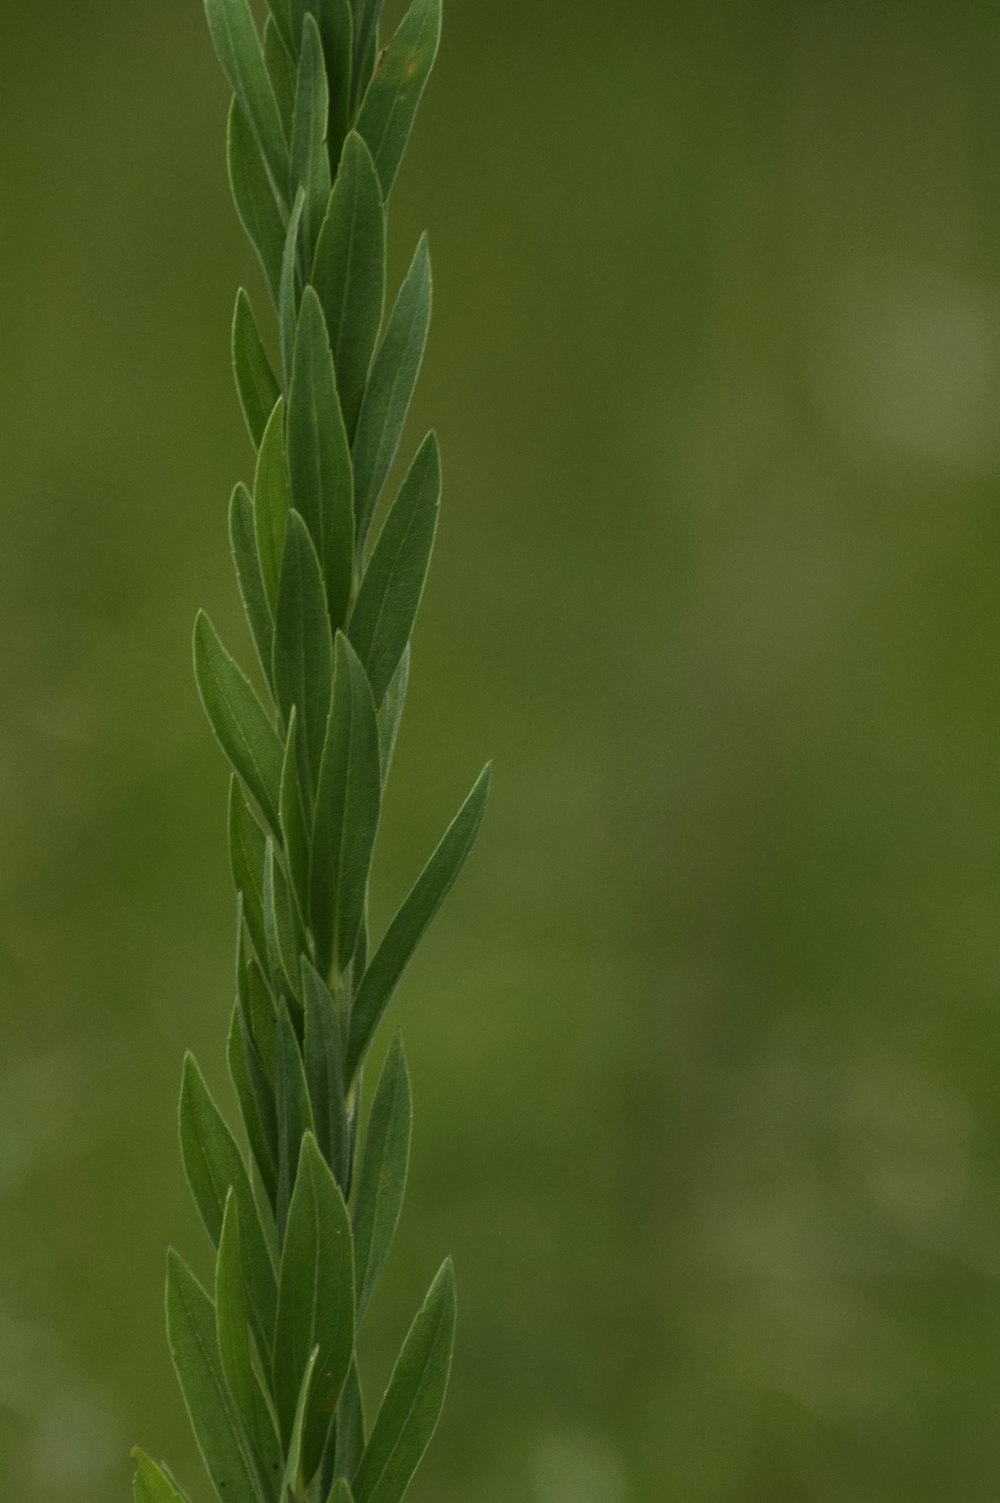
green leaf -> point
(303, 647)
(238, 718)
(309, 164)
(340, 1492)
(369, 13)
(291, 1483)
(387, 602)
(315, 1301)
(239, 50)
(259, 212)
(349, 1441)
(382, 1180)
(270, 500)
(403, 934)
(412, 1404)
(247, 844)
(324, 1061)
(231, 1315)
(295, 1117)
(392, 97)
(256, 382)
(293, 824)
(214, 1165)
(212, 1410)
(390, 387)
(258, 1008)
(243, 543)
(345, 823)
(391, 713)
(281, 71)
(282, 934)
(319, 460)
(349, 272)
(336, 27)
(281, 16)
(249, 1082)
(150, 1484)
(288, 294)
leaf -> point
(256, 206)
(238, 719)
(293, 824)
(324, 1062)
(258, 1119)
(348, 802)
(247, 843)
(150, 1484)
(231, 1316)
(382, 1179)
(391, 713)
(282, 936)
(401, 938)
(391, 99)
(340, 1492)
(369, 13)
(387, 602)
(281, 71)
(256, 382)
(336, 28)
(350, 1436)
(309, 165)
(349, 273)
(390, 387)
(270, 500)
(288, 292)
(315, 1301)
(412, 1404)
(243, 545)
(214, 1165)
(294, 1111)
(303, 648)
(281, 16)
(294, 1464)
(212, 1410)
(239, 50)
(319, 461)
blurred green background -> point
(706, 1045)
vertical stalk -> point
(302, 1218)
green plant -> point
(302, 1221)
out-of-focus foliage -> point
(707, 1061)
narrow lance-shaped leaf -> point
(382, 1179)
(281, 71)
(309, 163)
(303, 648)
(319, 461)
(294, 1477)
(390, 387)
(295, 1117)
(243, 543)
(270, 500)
(411, 1407)
(391, 713)
(256, 382)
(214, 1164)
(391, 99)
(238, 46)
(403, 934)
(336, 28)
(386, 607)
(247, 845)
(293, 821)
(291, 282)
(282, 933)
(349, 1441)
(340, 1492)
(347, 811)
(249, 1081)
(315, 1301)
(365, 40)
(231, 1317)
(150, 1483)
(349, 273)
(324, 1062)
(212, 1410)
(259, 213)
(238, 719)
